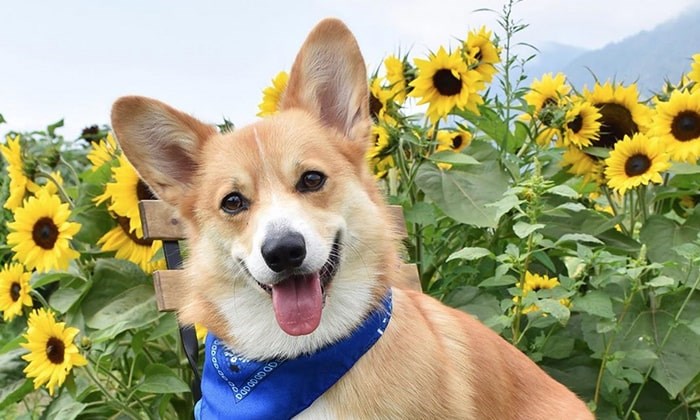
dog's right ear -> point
(161, 142)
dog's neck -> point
(253, 331)
(235, 387)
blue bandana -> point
(237, 388)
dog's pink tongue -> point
(298, 303)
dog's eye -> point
(311, 181)
(234, 203)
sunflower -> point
(582, 164)
(124, 194)
(14, 290)
(52, 353)
(452, 140)
(273, 94)
(636, 160)
(444, 82)
(19, 182)
(41, 233)
(535, 282)
(379, 99)
(549, 91)
(378, 156)
(129, 246)
(582, 127)
(621, 113)
(677, 124)
(102, 151)
(396, 76)
(482, 54)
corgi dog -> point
(290, 253)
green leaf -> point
(505, 204)
(564, 191)
(133, 308)
(111, 277)
(167, 324)
(663, 235)
(578, 237)
(14, 392)
(63, 299)
(161, 379)
(679, 360)
(464, 193)
(499, 280)
(558, 347)
(422, 213)
(12, 344)
(554, 308)
(448, 156)
(570, 206)
(51, 129)
(595, 303)
(662, 281)
(682, 168)
(39, 280)
(523, 229)
(64, 407)
(470, 253)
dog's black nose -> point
(284, 252)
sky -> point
(71, 59)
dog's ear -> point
(329, 80)
(161, 142)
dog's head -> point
(288, 236)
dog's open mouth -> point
(298, 299)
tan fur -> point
(433, 361)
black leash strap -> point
(188, 336)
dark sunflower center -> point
(686, 126)
(45, 233)
(615, 123)
(15, 288)
(457, 141)
(576, 124)
(55, 350)
(637, 164)
(479, 56)
(124, 223)
(446, 83)
(143, 192)
(375, 106)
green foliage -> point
(135, 367)
(621, 327)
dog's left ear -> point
(329, 80)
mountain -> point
(648, 58)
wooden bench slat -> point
(160, 221)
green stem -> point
(641, 198)
(127, 410)
(517, 334)
(40, 298)
(61, 191)
(604, 358)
